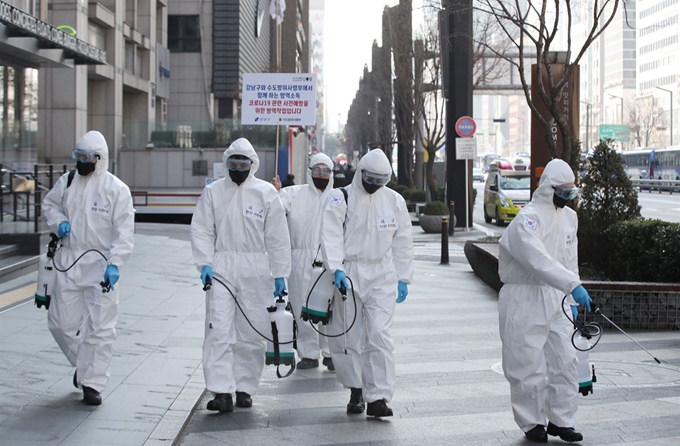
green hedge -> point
(418, 196)
(644, 251)
(435, 208)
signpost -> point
(617, 132)
(466, 149)
(278, 98)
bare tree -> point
(643, 118)
(430, 105)
(487, 67)
(530, 29)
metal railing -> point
(657, 185)
(25, 189)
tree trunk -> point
(431, 185)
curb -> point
(175, 419)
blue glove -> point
(111, 275)
(402, 289)
(279, 286)
(574, 311)
(341, 279)
(64, 229)
(582, 297)
(206, 273)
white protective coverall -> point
(241, 232)
(304, 205)
(376, 246)
(100, 211)
(538, 264)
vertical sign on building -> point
(569, 105)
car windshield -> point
(515, 183)
(476, 170)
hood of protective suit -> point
(374, 161)
(320, 158)
(95, 141)
(242, 147)
(556, 172)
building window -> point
(129, 57)
(184, 34)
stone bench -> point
(630, 305)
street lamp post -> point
(671, 93)
(589, 109)
(619, 97)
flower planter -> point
(432, 224)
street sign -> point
(466, 127)
(278, 99)
(466, 148)
(617, 132)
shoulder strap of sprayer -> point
(277, 353)
(69, 180)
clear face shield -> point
(375, 179)
(84, 156)
(239, 165)
(566, 192)
(321, 171)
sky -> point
(350, 28)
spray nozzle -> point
(208, 284)
(106, 286)
(52, 245)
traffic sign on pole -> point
(466, 127)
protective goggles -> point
(376, 179)
(84, 156)
(567, 192)
(321, 171)
(240, 165)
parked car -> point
(507, 191)
(477, 174)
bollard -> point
(445, 241)
(452, 211)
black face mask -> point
(84, 169)
(559, 202)
(370, 188)
(320, 183)
(238, 177)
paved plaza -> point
(450, 388)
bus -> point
(484, 160)
(653, 163)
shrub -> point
(418, 195)
(435, 208)
(392, 184)
(608, 198)
(406, 193)
(441, 194)
(643, 251)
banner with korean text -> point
(278, 99)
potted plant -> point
(431, 216)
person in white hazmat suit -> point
(239, 233)
(368, 239)
(304, 205)
(92, 210)
(538, 264)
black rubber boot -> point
(243, 400)
(565, 433)
(91, 396)
(356, 402)
(75, 379)
(221, 403)
(378, 409)
(537, 434)
(328, 362)
(306, 363)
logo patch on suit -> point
(337, 200)
(531, 224)
(101, 207)
(387, 223)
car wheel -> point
(499, 222)
(487, 219)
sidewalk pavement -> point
(450, 388)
